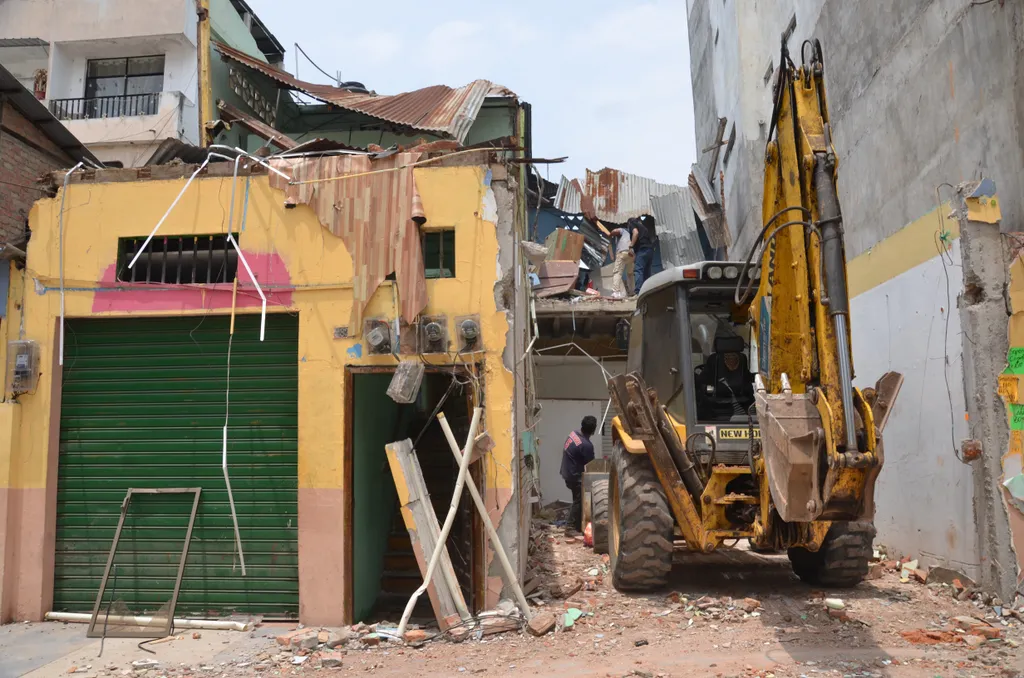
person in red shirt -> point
(577, 452)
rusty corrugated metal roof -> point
(439, 109)
(619, 196)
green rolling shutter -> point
(142, 405)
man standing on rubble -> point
(642, 246)
(623, 263)
(577, 452)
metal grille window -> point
(178, 259)
(439, 254)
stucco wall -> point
(901, 325)
(307, 271)
(921, 92)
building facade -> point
(124, 76)
(140, 400)
(922, 98)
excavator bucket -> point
(794, 443)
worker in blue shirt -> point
(577, 452)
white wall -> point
(557, 418)
(924, 496)
(569, 388)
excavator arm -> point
(821, 439)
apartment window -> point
(439, 253)
(124, 77)
(183, 259)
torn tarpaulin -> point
(374, 212)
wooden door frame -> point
(478, 562)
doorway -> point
(384, 570)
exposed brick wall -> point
(20, 166)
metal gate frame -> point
(92, 632)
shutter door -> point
(142, 406)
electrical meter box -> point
(22, 366)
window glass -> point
(720, 350)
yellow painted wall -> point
(319, 270)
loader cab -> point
(692, 344)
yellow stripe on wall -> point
(911, 246)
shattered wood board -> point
(556, 277)
(564, 245)
(424, 530)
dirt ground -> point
(734, 613)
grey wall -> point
(921, 92)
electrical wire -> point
(332, 77)
(943, 253)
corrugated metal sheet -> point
(437, 109)
(619, 197)
(568, 196)
(373, 214)
(677, 229)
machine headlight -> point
(714, 272)
(756, 274)
(731, 272)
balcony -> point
(130, 105)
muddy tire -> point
(842, 561)
(599, 515)
(640, 524)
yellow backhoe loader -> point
(738, 415)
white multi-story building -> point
(123, 75)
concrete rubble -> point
(733, 613)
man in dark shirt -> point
(577, 452)
(642, 245)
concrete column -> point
(983, 316)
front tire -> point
(843, 559)
(640, 524)
(599, 515)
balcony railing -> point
(105, 107)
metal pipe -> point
(492, 534)
(204, 624)
(834, 258)
(449, 520)
(845, 381)
(60, 256)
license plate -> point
(737, 433)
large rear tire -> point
(640, 524)
(599, 515)
(843, 559)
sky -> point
(609, 80)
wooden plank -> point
(424, 530)
(257, 127)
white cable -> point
(256, 284)
(60, 255)
(453, 509)
(224, 459)
(173, 204)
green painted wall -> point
(376, 423)
(495, 119)
(228, 28)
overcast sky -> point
(609, 80)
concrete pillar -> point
(983, 316)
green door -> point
(142, 405)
